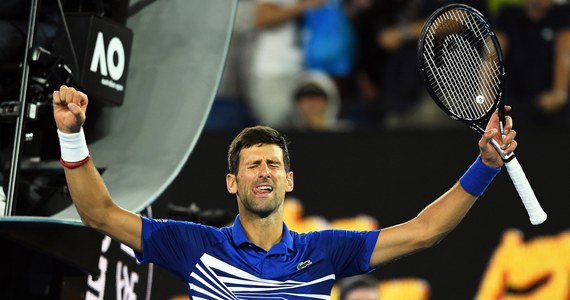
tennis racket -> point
(462, 67)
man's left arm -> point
(440, 217)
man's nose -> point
(264, 171)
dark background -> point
(390, 175)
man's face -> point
(261, 181)
(363, 293)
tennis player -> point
(259, 257)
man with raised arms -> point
(258, 256)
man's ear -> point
(231, 183)
(290, 182)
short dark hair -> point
(309, 90)
(253, 136)
(349, 284)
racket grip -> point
(535, 212)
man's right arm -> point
(97, 210)
(88, 191)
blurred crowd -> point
(337, 65)
(330, 65)
(345, 64)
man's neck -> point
(263, 232)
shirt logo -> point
(304, 264)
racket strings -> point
(465, 78)
(467, 52)
(449, 90)
(462, 64)
(458, 61)
(491, 85)
(455, 62)
(446, 88)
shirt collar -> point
(239, 238)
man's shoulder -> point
(182, 225)
(317, 235)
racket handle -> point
(535, 212)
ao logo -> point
(106, 61)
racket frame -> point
(498, 103)
(535, 211)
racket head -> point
(461, 63)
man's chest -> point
(289, 275)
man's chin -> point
(262, 212)
(261, 207)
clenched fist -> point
(69, 108)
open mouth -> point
(263, 189)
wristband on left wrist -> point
(478, 177)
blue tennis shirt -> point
(223, 264)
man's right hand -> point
(69, 107)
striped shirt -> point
(223, 264)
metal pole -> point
(19, 131)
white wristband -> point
(73, 146)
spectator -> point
(535, 39)
(277, 58)
(386, 74)
(361, 287)
(317, 103)
(329, 42)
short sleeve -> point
(175, 245)
(349, 251)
